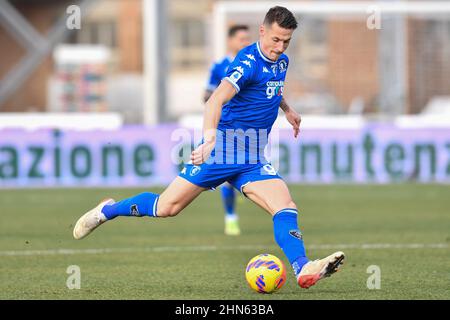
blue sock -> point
(143, 204)
(289, 238)
(228, 198)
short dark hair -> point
(234, 29)
(282, 16)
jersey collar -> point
(262, 54)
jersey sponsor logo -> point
(274, 88)
(195, 170)
(296, 234)
(279, 83)
(265, 70)
(282, 65)
(183, 171)
(134, 211)
(250, 56)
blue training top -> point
(217, 72)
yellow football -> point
(265, 273)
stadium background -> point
(114, 104)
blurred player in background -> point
(246, 102)
(238, 38)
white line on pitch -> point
(367, 246)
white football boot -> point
(91, 220)
(315, 270)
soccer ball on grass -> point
(265, 273)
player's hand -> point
(294, 119)
(202, 153)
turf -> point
(188, 257)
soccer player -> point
(238, 38)
(244, 105)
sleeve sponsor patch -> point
(235, 76)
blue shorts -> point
(238, 175)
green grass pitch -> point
(189, 257)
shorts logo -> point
(270, 170)
(134, 210)
(195, 170)
(296, 234)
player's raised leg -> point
(229, 202)
(174, 199)
(273, 196)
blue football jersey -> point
(217, 72)
(259, 83)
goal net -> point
(360, 57)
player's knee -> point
(167, 210)
(291, 205)
(283, 205)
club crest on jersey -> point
(282, 65)
(195, 170)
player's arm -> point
(207, 95)
(212, 113)
(292, 116)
